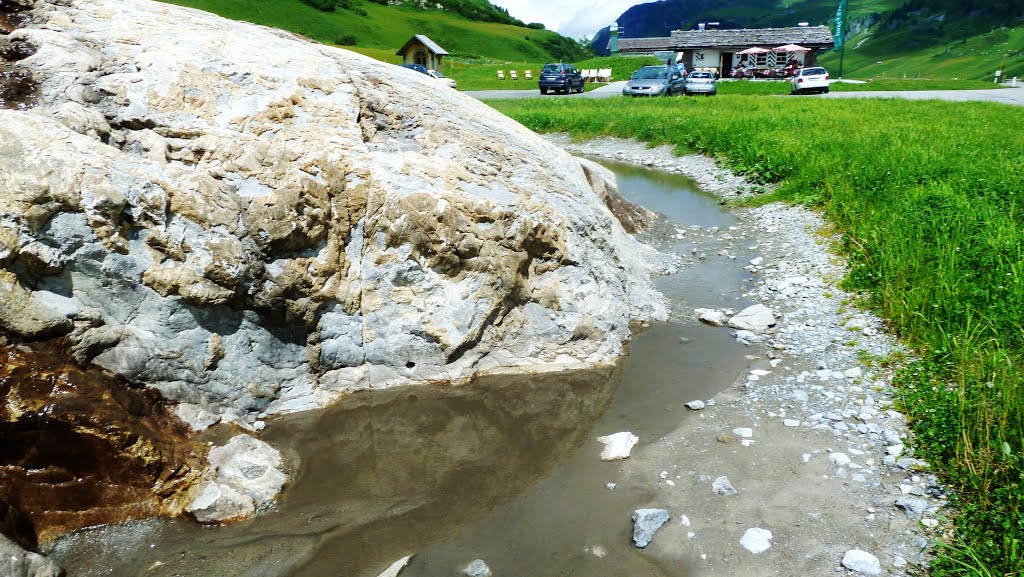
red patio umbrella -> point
(754, 50)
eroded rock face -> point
(79, 448)
(253, 223)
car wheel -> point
(579, 90)
(543, 90)
(825, 91)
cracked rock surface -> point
(252, 223)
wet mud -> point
(79, 448)
(19, 90)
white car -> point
(813, 79)
(442, 78)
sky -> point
(572, 18)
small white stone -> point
(791, 422)
(618, 446)
(756, 540)
(684, 521)
(895, 450)
(396, 567)
(695, 405)
(806, 457)
(930, 523)
(862, 562)
(839, 459)
(745, 432)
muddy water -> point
(505, 469)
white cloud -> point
(573, 18)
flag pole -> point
(841, 29)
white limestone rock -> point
(862, 562)
(280, 222)
(755, 318)
(618, 446)
(243, 474)
(756, 540)
(713, 317)
(395, 568)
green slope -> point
(976, 57)
(389, 27)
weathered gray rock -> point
(755, 318)
(913, 507)
(16, 562)
(244, 474)
(862, 562)
(722, 486)
(646, 523)
(259, 223)
(695, 405)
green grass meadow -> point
(389, 27)
(930, 201)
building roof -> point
(430, 44)
(808, 36)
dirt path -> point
(825, 465)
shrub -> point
(323, 5)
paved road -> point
(611, 89)
(1014, 96)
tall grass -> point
(929, 196)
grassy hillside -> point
(371, 25)
(976, 57)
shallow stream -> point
(505, 469)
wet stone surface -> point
(18, 89)
(79, 448)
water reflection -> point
(380, 476)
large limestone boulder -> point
(253, 223)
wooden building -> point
(716, 49)
(422, 50)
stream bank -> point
(448, 484)
(808, 437)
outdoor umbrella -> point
(790, 48)
(754, 50)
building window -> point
(420, 58)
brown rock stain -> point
(80, 448)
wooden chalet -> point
(716, 49)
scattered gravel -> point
(834, 461)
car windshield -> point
(650, 74)
(552, 68)
(436, 74)
(813, 71)
(701, 75)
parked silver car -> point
(701, 82)
(654, 81)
